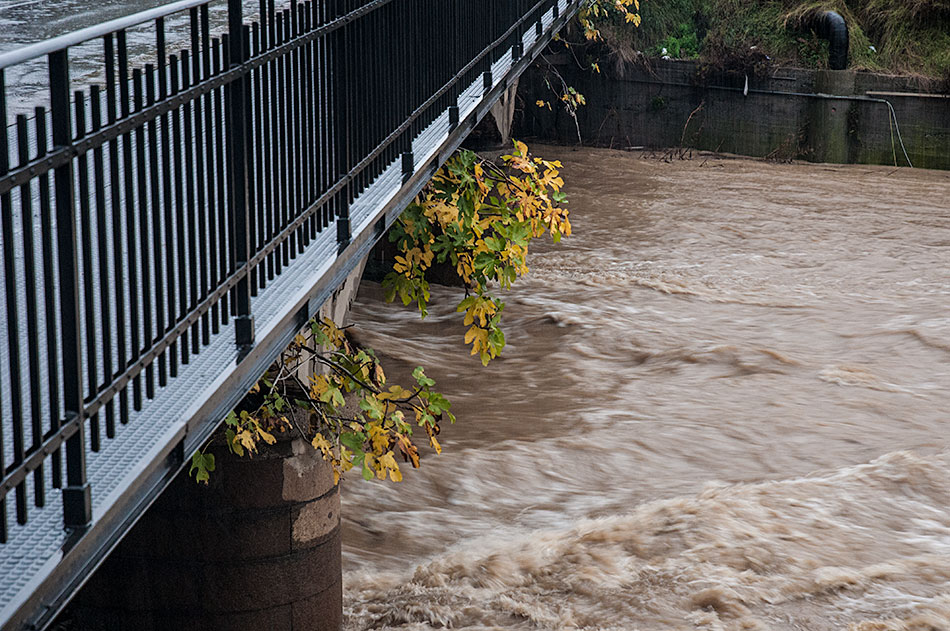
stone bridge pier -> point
(257, 549)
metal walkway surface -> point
(362, 183)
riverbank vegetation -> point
(892, 36)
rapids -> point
(723, 405)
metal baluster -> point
(132, 256)
(326, 120)
(49, 286)
(283, 28)
(251, 226)
(89, 301)
(294, 110)
(118, 271)
(303, 125)
(6, 229)
(287, 123)
(29, 276)
(220, 122)
(167, 196)
(102, 242)
(158, 252)
(273, 192)
(200, 209)
(179, 146)
(26, 217)
(212, 246)
(191, 209)
(342, 131)
(310, 108)
(141, 187)
(357, 96)
(260, 114)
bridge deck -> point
(41, 565)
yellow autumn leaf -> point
(379, 437)
(268, 438)
(387, 462)
(246, 439)
(321, 444)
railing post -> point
(237, 177)
(453, 116)
(408, 166)
(77, 496)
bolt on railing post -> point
(237, 177)
(77, 496)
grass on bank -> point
(894, 36)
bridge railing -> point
(143, 212)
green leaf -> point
(201, 465)
(420, 377)
(354, 441)
(233, 447)
(338, 400)
(438, 403)
(495, 244)
(373, 407)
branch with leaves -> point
(348, 413)
(476, 215)
(479, 217)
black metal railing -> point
(143, 213)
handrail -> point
(59, 156)
(53, 44)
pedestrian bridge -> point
(171, 219)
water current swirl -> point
(723, 406)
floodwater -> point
(25, 22)
(723, 405)
(29, 21)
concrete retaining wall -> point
(649, 107)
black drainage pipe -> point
(832, 27)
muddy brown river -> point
(724, 405)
